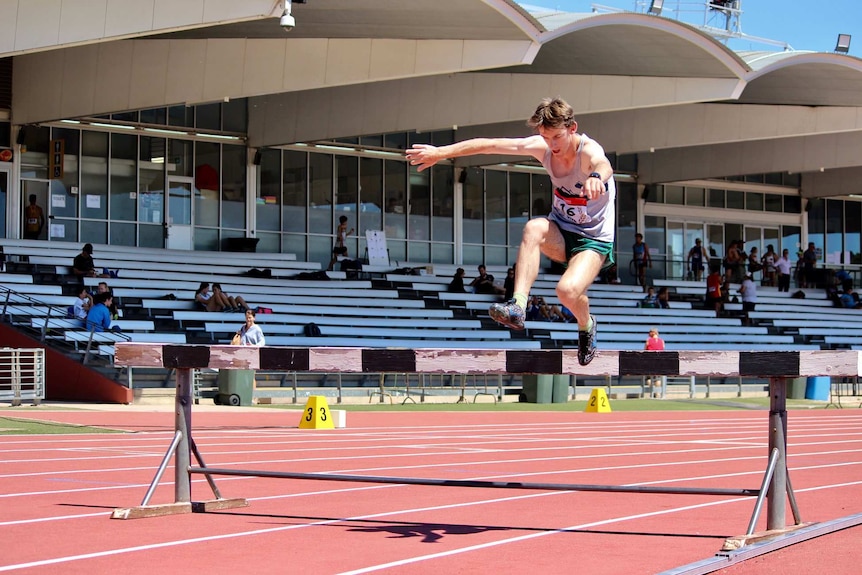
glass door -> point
(178, 219)
(5, 178)
(36, 204)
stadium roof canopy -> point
(689, 106)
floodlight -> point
(843, 44)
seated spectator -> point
(849, 298)
(567, 313)
(99, 316)
(484, 283)
(457, 283)
(250, 333)
(663, 297)
(82, 305)
(103, 288)
(550, 312)
(650, 299)
(509, 284)
(83, 265)
(654, 342)
(235, 303)
(533, 311)
(207, 300)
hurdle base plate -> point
(738, 542)
(218, 504)
(143, 511)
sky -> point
(804, 24)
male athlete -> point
(579, 231)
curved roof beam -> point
(650, 38)
(805, 79)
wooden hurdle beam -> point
(776, 366)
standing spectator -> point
(733, 262)
(650, 299)
(484, 282)
(768, 263)
(713, 289)
(82, 304)
(340, 248)
(783, 266)
(99, 316)
(696, 257)
(748, 290)
(234, 303)
(663, 297)
(654, 342)
(641, 258)
(457, 283)
(754, 264)
(809, 263)
(34, 220)
(250, 333)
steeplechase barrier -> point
(779, 366)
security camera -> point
(287, 22)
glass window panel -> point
(654, 237)
(472, 256)
(495, 207)
(627, 163)
(372, 141)
(442, 178)
(94, 233)
(151, 236)
(473, 206)
(792, 204)
(181, 115)
(397, 249)
(179, 160)
(419, 211)
(816, 222)
(320, 212)
(735, 199)
(852, 230)
(320, 249)
(4, 191)
(268, 206)
(268, 243)
(716, 198)
(774, 179)
(627, 201)
(151, 185)
(35, 156)
(773, 203)
(5, 134)
(124, 153)
(296, 244)
(206, 185)
(122, 234)
(497, 256)
(68, 207)
(674, 195)
(370, 195)
(792, 180)
(396, 198)
(65, 230)
(208, 116)
(442, 253)
(94, 178)
(346, 199)
(754, 201)
(695, 196)
(158, 116)
(235, 115)
(791, 239)
(206, 239)
(443, 137)
(397, 141)
(541, 193)
(234, 167)
(125, 116)
(294, 174)
(419, 251)
(834, 247)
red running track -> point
(57, 492)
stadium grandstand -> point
(191, 146)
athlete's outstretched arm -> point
(425, 155)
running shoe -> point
(587, 344)
(508, 314)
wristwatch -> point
(596, 175)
